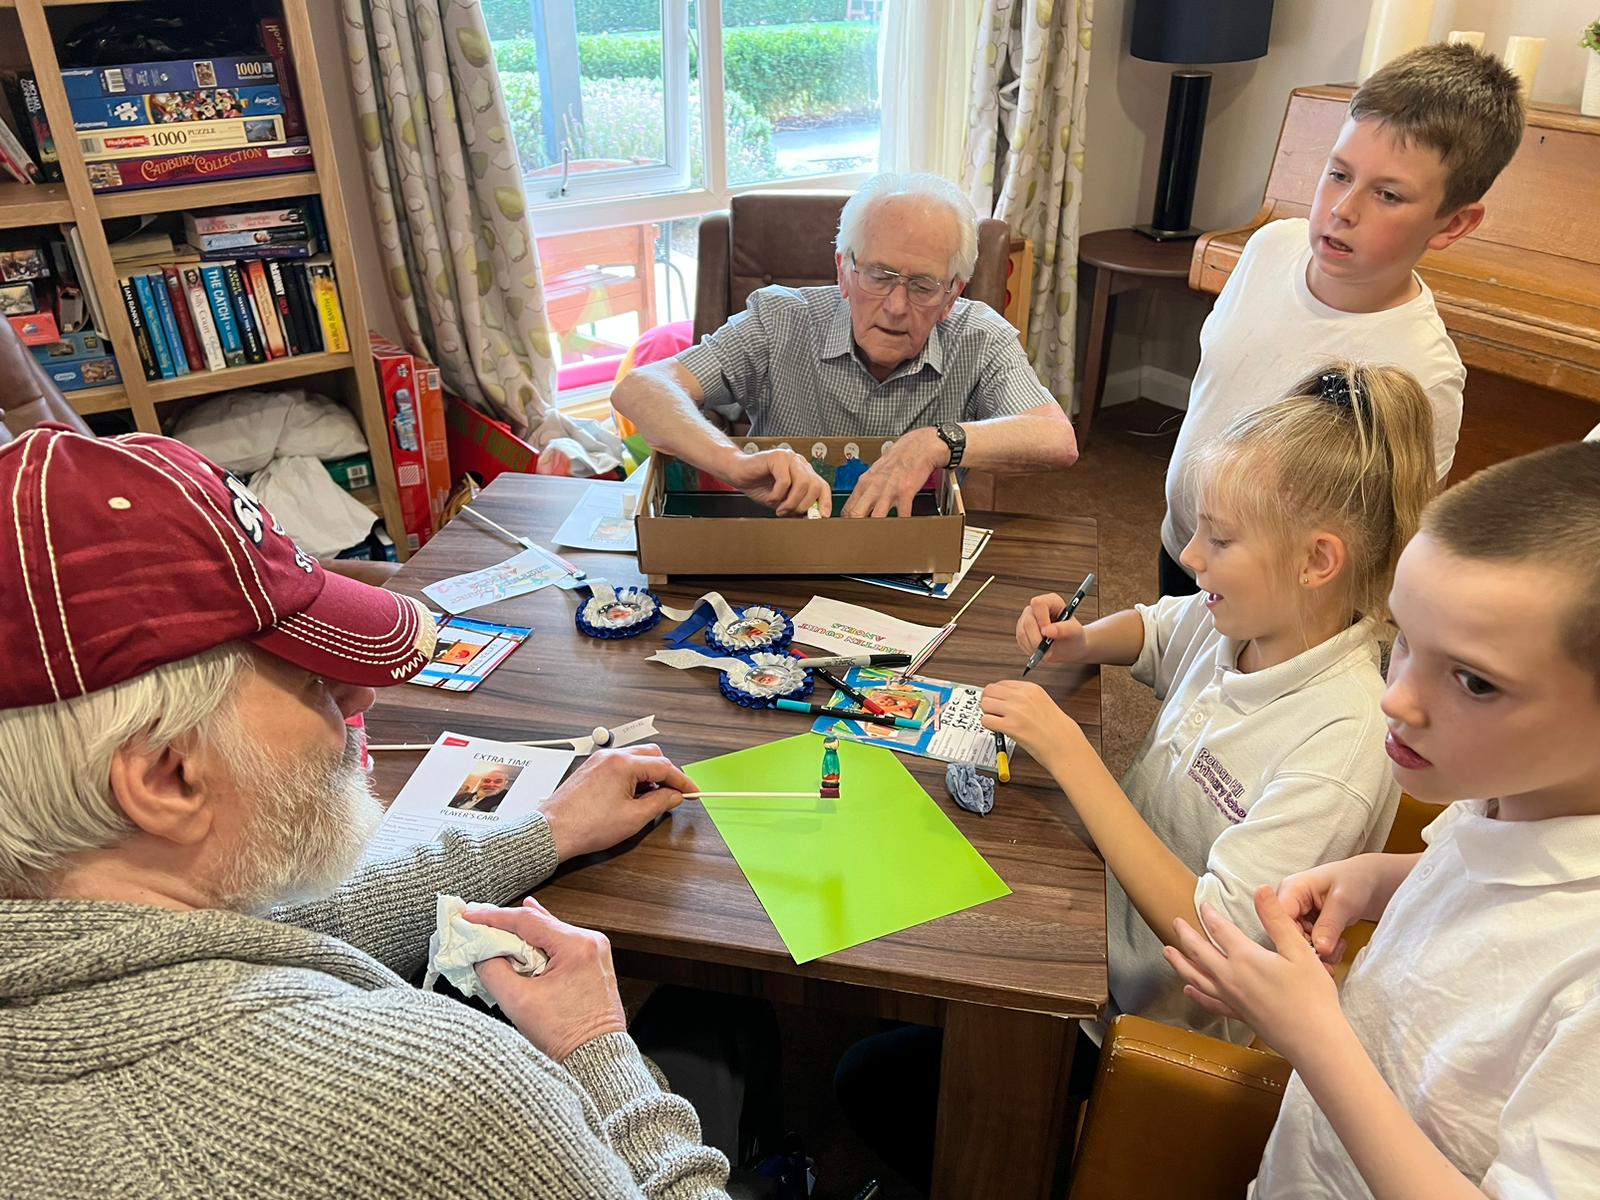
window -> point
(634, 117)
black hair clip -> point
(1336, 389)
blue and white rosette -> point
(611, 613)
(758, 680)
(756, 627)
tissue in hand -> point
(458, 945)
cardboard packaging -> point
(396, 382)
(769, 545)
(483, 447)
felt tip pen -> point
(840, 685)
(845, 714)
(1037, 656)
(1002, 762)
(856, 660)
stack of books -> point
(249, 287)
(179, 121)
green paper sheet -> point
(835, 873)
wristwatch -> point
(955, 437)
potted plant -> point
(1591, 79)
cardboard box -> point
(36, 329)
(73, 347)
(397, 383)
(427, 398)
(353, 473)
(483, 447)
(74, 375)
(768, 545)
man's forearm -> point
(1038, 440)
(658, 400)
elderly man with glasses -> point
(893, 352)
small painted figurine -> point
(830, 767)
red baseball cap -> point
(120, 554)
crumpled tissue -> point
(458, 944)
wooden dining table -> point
(1005, 980)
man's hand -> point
(1024, 711)
(1068, 640)
(780, 479)
(893, 481)
(612, 796)
(574, 1001)
(1285, 996)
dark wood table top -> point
(675, 890)
(1132, 253)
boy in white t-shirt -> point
(1465, 1059)
(1424, 139)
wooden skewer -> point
(429, 745)
(938, 639)
(970, 599)
(785, 795)
(498, 528)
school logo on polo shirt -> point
(1219, 785)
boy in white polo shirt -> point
(1424, 139)
(1466, 1058)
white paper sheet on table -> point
(603, 519)
(842, 628)
(423, 809)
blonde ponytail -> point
(1349, 449)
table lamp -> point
(1188, 32)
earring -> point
(1304, 579)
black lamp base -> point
(1180, 156)
(1167, 235)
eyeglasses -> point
(921, 290)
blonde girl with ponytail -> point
(1267, 756)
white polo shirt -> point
(1247, 777)
(1478, 1000)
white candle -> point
(1466, 37)
(1393, 27)
(1522, 58)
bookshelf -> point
(348, 377)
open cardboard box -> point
(770, 545)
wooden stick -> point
(938, 639)
(785, 795)
(973, 597)
(429, 745)
(498, 528)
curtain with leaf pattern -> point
(451, 219)
(1024, 159)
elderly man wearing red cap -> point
(174, 760)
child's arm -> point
(1115, 640)
(1155, 878)
(1287, 998)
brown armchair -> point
(27, 397)
(787, 237)
(1179, 1113)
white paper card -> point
(842, 628)
(517, 576)
(471, 784)
(602, 520)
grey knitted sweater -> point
(152, 1053)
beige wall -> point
(333, 64)
(1313, 41)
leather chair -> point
(27, 396)
(1178, 1113)
(787, 237)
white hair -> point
(923, 185)
(55, 759)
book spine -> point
(152, 324)
(266, 309)
(206, 224)
(103, 145)
(334, 339)
(49, 161)
(180, 310)
(300, 278)
(229, 71)
(17, 159)
(141, 336)
(250, 238)
(163, 170)
(280, 301)
(275, 41)
(218, 292)
(255, 346)
(76, 253)
(204, 323)
(169, 322)
(283, 250)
